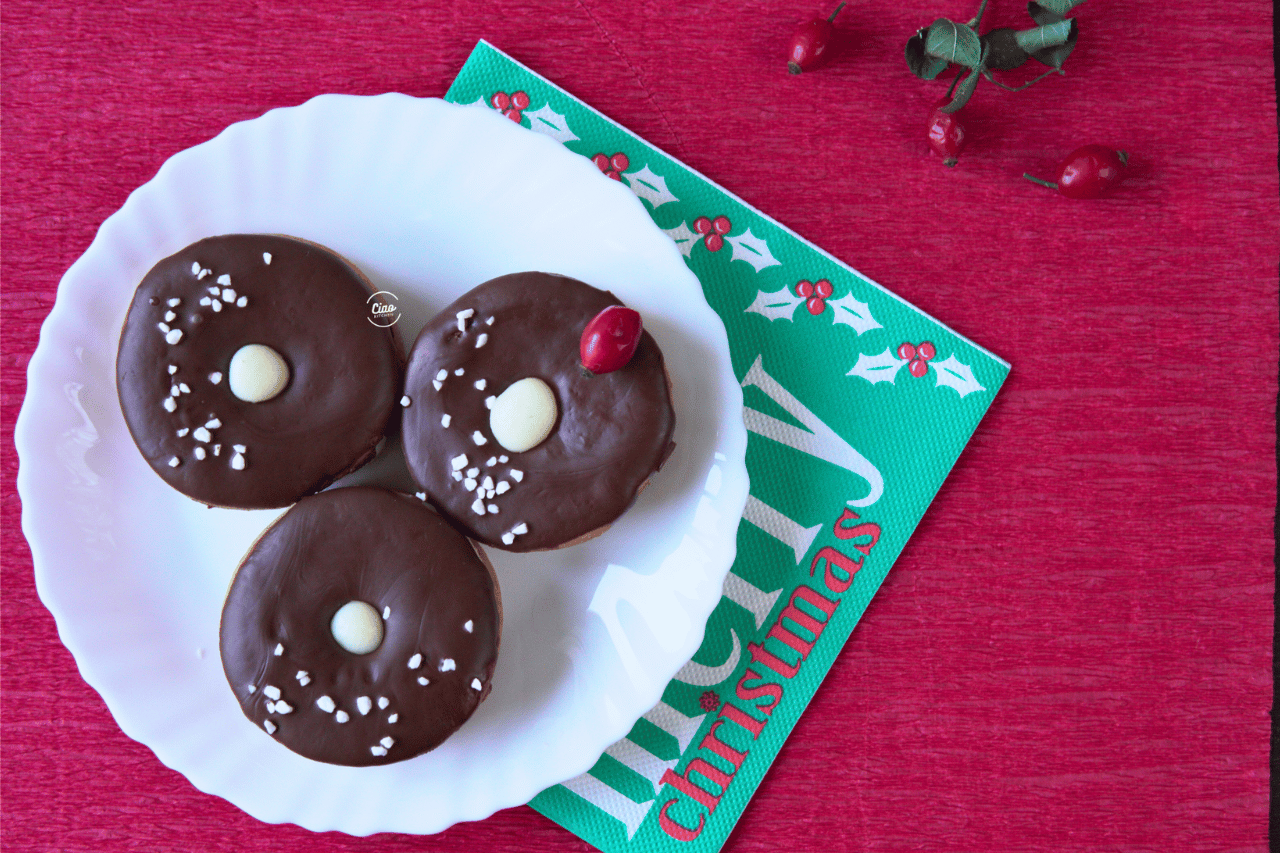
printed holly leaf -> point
(923, 65)
(550, 123)
(851, 312)
(953, 374)
(953, 42)
(778, 305)
(877, 368)
(752, 249)
(684, 238)
(649, 186)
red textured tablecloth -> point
(1074, 652)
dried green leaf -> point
(953, 42)
(1056, 55)
(923, 65)
(963, 92)
(1043, 37)
(1041, 15)
(1060, 7)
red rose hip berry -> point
(810, 44)
(1090, 171)
(946, 134)
(610, 339)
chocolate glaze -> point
(310, 306)
(390, 551)
(613, 430)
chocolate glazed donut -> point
(611, 433)
(429, 594)
(190, 318)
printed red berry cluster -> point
(512, 106)
(612, 166)
(713, 231)
(815, 294)
(917, 357)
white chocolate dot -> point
(523, 415)
(357, 627)
(257, 373)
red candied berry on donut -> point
(610, 339)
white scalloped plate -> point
(428, 199)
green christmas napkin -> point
(832, 366)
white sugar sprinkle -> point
(415, 661)
(473, 472)
(279, 649)
(447, 665)
(213, 423)
(466, 313)
(459, 462)
(223, 279)
(164, 327)
(391, 718)
(271, 707)
(479, 438)
(169, 316)
(238, 448)
(405, 401)
(228, 295)
(460, 371)
(199, 452)
(304, 680)
(493, 509)
(195, 268)
(182, 432)
(476, 685)
(378, 751)
(342, 716)
(469, 484)
(502, 487)
(480, 383)
(508, 538)
(502, 458)
(488, 483)
(516, 474)
(201, 434)
(457, 475)
(204, 272)
(489, 401)
(489, 494)
(482, 340)
(173, 368)
(468, 626)
(242, 301)
(520, 529)
(253, 688)
(216, 449)
(324, 703)
(182, 386)
(302, 673)
(215, 377)
(363, 705)
(478, 507)
(445, 420)
(489, 322)
(271, 692)
(492, 461)
(214, 291)
(283, 707)
(387, 741)
(170, 405)
(204, 300)
(216, 306)
(173, 336)
(386, 611)
(422, 496)
(423, 680)
(269, 726)
(174, 462)
(442, 374)
(237, 462)
(175, 302)
(266, 258)
(383, 702)
(437, 384)
(173, 391)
